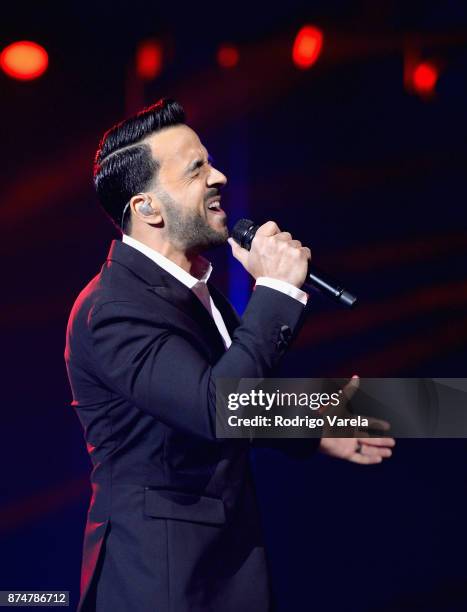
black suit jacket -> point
(173, 521)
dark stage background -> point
(351, 159)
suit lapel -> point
(192, 315)
(189, 312)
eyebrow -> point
(197, 163)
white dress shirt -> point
(202, 269)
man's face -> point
(188, 188)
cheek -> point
(195, 194)
(183, 195)
(190, 192)
(192, 189)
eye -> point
(196, 167)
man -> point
(173, 522)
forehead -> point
(175, 145)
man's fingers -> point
(364, 459)
(387, 442)
(351, 387)
(270, 228)
(377, 424)
(359, 434)
(238, 252)
(374, 451)
(283, 236)
(348, 392)
(287, 237)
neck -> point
(167, 249)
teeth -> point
(214, 206)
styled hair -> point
(124, 165)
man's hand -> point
(274, 254)
(358, 450)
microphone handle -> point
(322, 281)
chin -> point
(218, 237)
(220, 228)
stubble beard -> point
(189, 230)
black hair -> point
(124, 165)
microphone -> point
(243, 233)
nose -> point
(216, 177)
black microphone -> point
(243, 233)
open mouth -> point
(215, 207)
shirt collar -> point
(202, 268)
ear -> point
(146, 208)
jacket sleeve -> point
(163, 374)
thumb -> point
(237, 251)
(351, 387)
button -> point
(286, 333)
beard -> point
(188, 229)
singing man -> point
(173, 523)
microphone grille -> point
(243, 232)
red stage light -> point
(307, 46)
(148, 60)
(425, 77)
(24, 60)
(227, 56)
